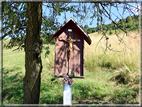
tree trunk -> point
(33, 46)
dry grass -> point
(126, 60)
(132, 42)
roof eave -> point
(88, 40)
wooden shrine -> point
(69, 50)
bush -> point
(110, 33)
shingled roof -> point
(86, 37)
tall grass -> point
(126, 60)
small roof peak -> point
(87, 38)
(70, 19)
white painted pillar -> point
(67, 94)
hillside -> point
(110, 78)
(131, 23)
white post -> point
(67, 94)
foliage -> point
(14, 23)
(15, 27)
(131, 23)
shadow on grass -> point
(51, 99)
(12, 90)
(124, 96)
(96, 94)
(90, 93)
(51, 91)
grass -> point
(126, 59)
(110, 78)
(13, 74)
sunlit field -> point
(110, 77)
(124, 54)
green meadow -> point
(110, 77)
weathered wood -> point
(61, 76)
(75, 59)
(62, 54)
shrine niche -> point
(69, 50)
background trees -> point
(129, 24)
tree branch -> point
(109, 16)
(101, 37)
(22, 27)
